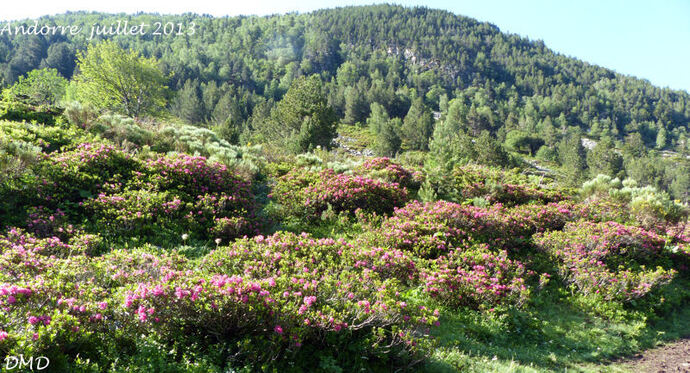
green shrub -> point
(649, 206)
(614, 261)
(306, 194)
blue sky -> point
(647, 39)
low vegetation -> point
(115, 255)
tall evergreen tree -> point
(388, 139)
(60, 57)
(490, 151)
(661, 138)
(304, 116)
(417, 126)
(377, 118)
(572, 156)
(187, 104)
(355, 106)
(603, 159)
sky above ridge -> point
(646, 39)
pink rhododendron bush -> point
(286, 290)
(388, 170)
(432, 229)
(610, 259)
(478, 278)
(160, 198)
(308, 194)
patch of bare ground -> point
(672, 357)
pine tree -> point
(490, 151)
(443, 104)
(304, 116)
(661, 138)
(377, 118)
(634, 146)
(520, 141)
(417, 126)
(228, 118)
(572, 157)
(387, 139)
(549, 133)
(60, 57)
(355, 106)
(454, 121)
(187, 105)
(603, 159)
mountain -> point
(231, 71)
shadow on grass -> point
(556, 332)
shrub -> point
(601, 210)
(474, 276)
(613, 260)
(267, 300)
(135, 213)
(80, 115)
(432, 229)
(462, 183)
(389, 263)
(18, 111)
(286, 289)
(647, 205)
(49, 308)
(122, 131)
(77, 174)
(389, 171)
(307, 194)
(547, 154)
(156, 200)
(175, 195)
(48, 138)
(497, 186)
(16, 158)
(192, 175)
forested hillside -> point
(378, 62)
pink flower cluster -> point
(307, 195)
(432, 229)
(610, 259)
(193, 175)
(476, 277)
(384, 168)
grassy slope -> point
(556, 331)
(557, 335)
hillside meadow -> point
(138, 259)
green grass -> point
(554, 333)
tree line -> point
(414, 77)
